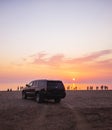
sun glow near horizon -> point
(55, 67)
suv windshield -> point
(55, 84)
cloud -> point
(56, 59)
(91, 57)
(43, 58)
(96, 65)
(40, 58)
(105, 63)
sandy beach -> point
(80, 110)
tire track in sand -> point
(81, 123)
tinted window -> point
(55, 84)
(42, 84)
(35, 83)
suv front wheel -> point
(24, 95)
(39, 97)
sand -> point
(80, 110)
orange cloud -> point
(58, 59)
(93, 67)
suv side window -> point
(35, 84)
(42, 84)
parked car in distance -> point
(44, 89)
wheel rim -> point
(37, 98)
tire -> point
(24, 95)
(57, 100)
(39, 98)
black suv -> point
(44, 89)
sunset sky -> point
(56, 39)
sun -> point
(73, 79)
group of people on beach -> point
(98, 88)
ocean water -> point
(68, 86)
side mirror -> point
(27, 85)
